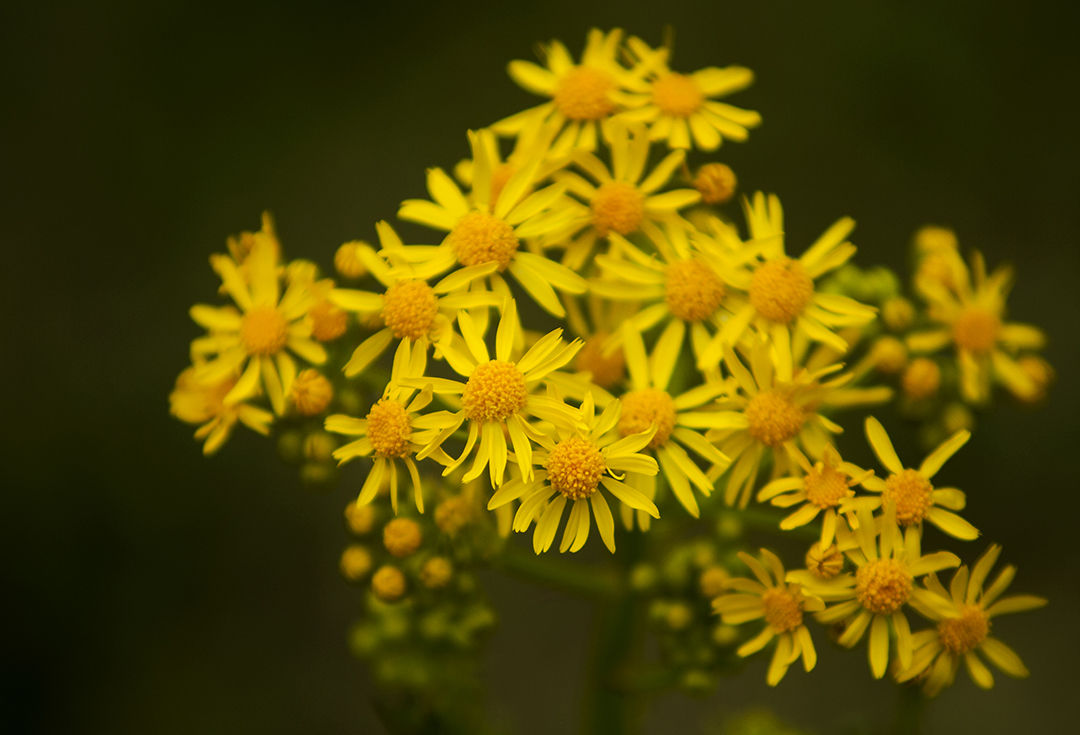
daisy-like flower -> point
(572, 465)
(781, 302)
(623, 198)
(781, 604)
(487, 225)
(773, 416)
(970, 317)
(678, 424)
(258, 338)
(392, 431)
(583, 95)
(822, 490)
(681, 107)
(195, 402)
(595, 320)
(963, 614)
(886, 566)
(910, 491)
(498, 395)
(684, 285)
(411, 309)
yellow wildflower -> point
(194, 402)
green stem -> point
(566, 574)
(909, 711)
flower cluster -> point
(579, 326)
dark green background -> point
(149, 591)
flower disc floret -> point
(966, 631)
(910, 491)
(575, 467)
(409, 309)
(584, 94)
(494, 392)
(480, 238)
(783, 609)
(617, 206)
(826, 487)
(677, 95)
(645, 407)
(389, 429)
(692, 290)
(774, 418)
(976, 330)
(402, 537)
(780, 289)
(607, 369)
(328, 322)
(883, 586)
(264, 331)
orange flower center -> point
(389, 429)
(826, 487)
(643, 408)
(692, 290)
(774, 418)
(677, 95)
(783, 609)
(494, 392)
(409, 309)
(480, 238)
(780, 289)
(575, 467)
(584, 94)
(328, 322)
(264, 331)
(910, 491)
(962, 634)
(607, 369)
(716, 183)
(976, 330)
(617, 206)
(882, 586)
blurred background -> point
(150, 591)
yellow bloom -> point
(623, 198)
(392, 431)
(886, 565)
(781, 604)
(583, 95)
(410, 309)
(572, 464)
(256, 339)
(240, 246)
(963, 615)
(678, 424)
(970, 315)
(780, 301)
(910, 491)
(822, 489)
(679, 107)
(772, 415)
(685, 286)
(486, 227)
(195, 402)
(497, 396)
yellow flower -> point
(572, 464)
(780, 301)
(679, 107)
(970, 315)
(623, 198)
(583, 95)
(770, 415)
(963, 615)
(240, 246)
(685, 286)
(678, 424)
(822, 489)
(781, 604)
(195, 402)
(910, 491)
(497, 396)
(391, 430)
(256, 339)
(886, 566)
(410, 309)
(487, 226)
